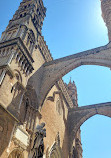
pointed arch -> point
(54, 70)
(77, 116)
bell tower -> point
(21, 35)
(106, 14)
(17, 45)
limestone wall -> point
(54, 114)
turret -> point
(72, 90)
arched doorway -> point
(16, 153)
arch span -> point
(77, 116)
(52, 71)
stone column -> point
(106, 14)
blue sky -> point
(72, 26)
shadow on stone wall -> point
(6, 128)
(65, 146)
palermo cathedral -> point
(39, 113)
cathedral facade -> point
(22, 52)
(39, 113)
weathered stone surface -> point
(32, 91)
(52, 71)
(77, 116)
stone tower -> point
(106, 14)
(17, 45)
(34, 101)
(77, 146)
(72, 90)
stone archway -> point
(77, 116)
(51, 72)
(16, 153)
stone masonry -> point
(33, 96)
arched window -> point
(18, 75)
(21, 16)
